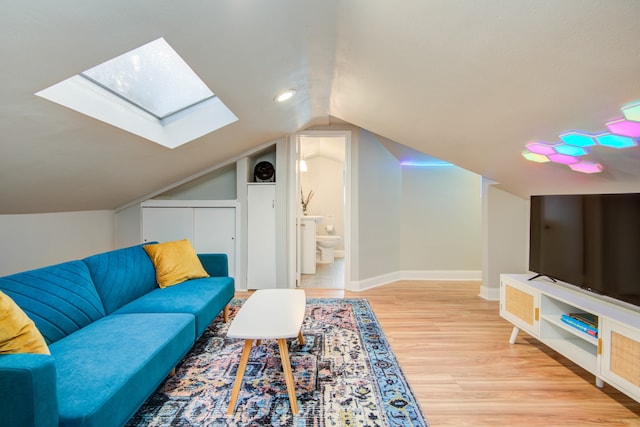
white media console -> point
(536, 307)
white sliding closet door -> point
(167, 224)
(215, 231)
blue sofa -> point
(113, 334)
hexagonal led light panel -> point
(624, 127)
(563, 159)
(571, 150)
(586, 167)
(540, 147)
(623, 133)
(632, 111)
(578, 138)
(616, 141)
(534, 157)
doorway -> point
(323, 215)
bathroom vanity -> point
(308, 226)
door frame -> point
(295, 209)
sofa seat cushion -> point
(107, 370)
(121, 276)
(204, 298)
(60, 299)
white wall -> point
(128, 227)
(505, 239)
(415, 223)
(379, 184)
(441, 219)
(217, 185)
(36, 240)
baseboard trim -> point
(373, 282)
(490, 294)
(445, 275)
(442, 275)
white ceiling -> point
(469, 82)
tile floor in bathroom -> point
(328, 276)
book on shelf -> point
(579, 325)
(588, 318)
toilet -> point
(325, 244)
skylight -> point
(149, 91)
(153, 77)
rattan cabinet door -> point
(520, 304)
(620, 358)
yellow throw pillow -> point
(18, 333)
(175, 262)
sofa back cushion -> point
(121, 276)
(60, 299)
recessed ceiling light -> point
(285, 96)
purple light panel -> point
(624, 127)
(543, 148)
(563, 159)
(586, 167)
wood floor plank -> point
(454, 349)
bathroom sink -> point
(316, 218)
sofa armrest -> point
(217, 265)
(28, 390)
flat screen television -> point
(589, 240)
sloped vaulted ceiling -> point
(466, 81)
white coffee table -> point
(268, 314)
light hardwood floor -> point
(454, 349)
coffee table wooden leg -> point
(246, 350)
(288, 375)
(300, 338)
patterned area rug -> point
(345, 375)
